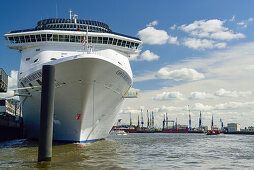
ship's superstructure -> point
(92, 75)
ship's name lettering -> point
(124, 76)
(32, 77)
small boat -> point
(213, 132)
(118, 132)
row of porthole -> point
(28, 59)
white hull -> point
(90, 86)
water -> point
(138, 151)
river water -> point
(137, 151)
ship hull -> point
(88, 95)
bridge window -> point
(72, 38)
(105, 40)
(43, 37)
(110, 40)
(94, 39)
(114, 41)
(119, 42)
(123, 43)
(100, 40)
(49, 37)
(61, 38)
(55, 37)
(38, 37)
(22, 39)
(27, 38)
(33, 39)
(128, 44)
(16, 40)
(78, 39)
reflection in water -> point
(137, 151)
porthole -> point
(36, 60)
(53, 59)
(27, 59)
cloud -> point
(173, 27)
(244, 24)
(201, 107)
(153, 23)
(234, 105)
(250, 68)
(148, 56)
(169, 96)
(212, 29)
(186, 74)
(145, 56)
(164, 109)
(152, 36)
(201, 44)
(226, 93)
(172, 40)
(200, 96)
(232, 19)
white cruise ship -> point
(92, 75)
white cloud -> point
(235, 105)
(201, 44)
(148, 56)
(172, 40)
(179, 74)
(202, 107)
(226, 93)
(164, 109)
(244, 24)
(153, 36)
(250, 68)
(150, 35)
(169, 96)
(153, 23)
(201, 95)
(173, 27)
(229, 35)
(134, 57)
(232, 19)
(213, 29)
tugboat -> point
(214, 130)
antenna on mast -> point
(70, 13)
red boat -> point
(213, 132)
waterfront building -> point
(10, 106)
(251, 129)
(233, 127)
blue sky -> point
(196, 53)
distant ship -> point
(92, 75)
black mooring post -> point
(47, 112)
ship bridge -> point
(72, 32)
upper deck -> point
(74, 32)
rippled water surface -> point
(138, 151)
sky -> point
(197, 53)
